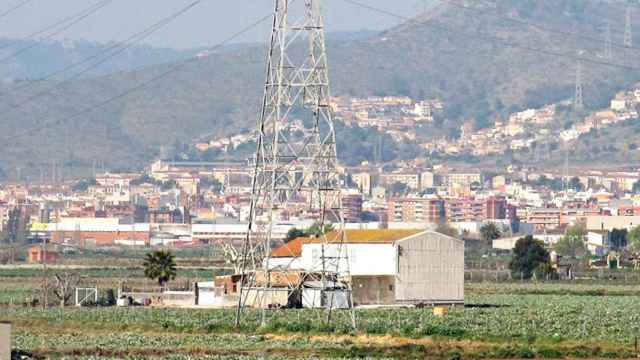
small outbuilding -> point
(38, 255)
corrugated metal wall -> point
(430, 269)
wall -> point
(285, 263)
(99, 238)
(596, 223)
(430, 269)
(364, 259)
(373, 290)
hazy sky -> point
(209, 23)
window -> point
(391, 287)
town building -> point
(416, 210)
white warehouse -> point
(387, 266)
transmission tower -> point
(295, 174)
(578, 103)
(628, 29)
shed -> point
(396, 267)
(38, 255)
(335, 295)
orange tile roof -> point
(291, 249)
(379, 236)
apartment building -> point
(465, 210)
(416, 210)
(410, 179)
(363, 181)
(351, 206)
(461, 178)
(543, 218)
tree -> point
(633, 239)
(64, 285)
(232, 257)
(398, 188)
(367, 216)
(636, 187)
(572, 243)
(618, 238)
(316, 230)
(293, 234)
(161, 266)
(490, 232)
(448, 230)
(529, 255)
(576, 184)
(83, 185)
(210, 183)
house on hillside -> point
(386, 266)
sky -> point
(209, 23)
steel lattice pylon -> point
(295, 170)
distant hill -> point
(469, 67)
(45, 57)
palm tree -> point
(160, 265)
(490, 232)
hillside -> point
(453, 53)
(45, 57)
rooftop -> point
(291, 249)
(379, 236)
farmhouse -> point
(386, 266)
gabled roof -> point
(291, 249)
(378, 236)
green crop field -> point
(512, 321)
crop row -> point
(555, 317)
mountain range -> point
(484, 59)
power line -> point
(174, 68)
(14, 8)
(118, 49)
(492, 39)
(71, 20)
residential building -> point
(363, 181)
(351, 206)
(416, 210)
